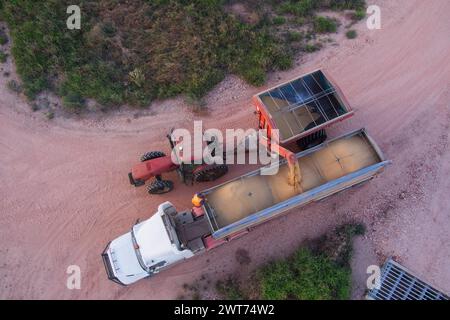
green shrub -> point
(358, 15)
(34, 86)
(351, 34)
(255, 76)
(3, 38)
(14, 86)
(283, 61)
(318, 271)
(40, 104)
(294, 36)
(109, 29)
(346, 4)
(279, 20)
(73, 102)
(137, 97)
(303, 8)
(324, 25)
(299, 21)
(3, 57)
(312, 47)
(182, 47)
(305, 276)
(299, 8)
(322, 274)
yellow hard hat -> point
(198, 200)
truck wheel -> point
(152, 155)
(160, 187)
(210, 172)
(312, 140)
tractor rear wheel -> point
(152, 155)
(312, 140)
(210, 172)
(160, 187)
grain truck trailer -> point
(231, 209)
(253, 198)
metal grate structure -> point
(397, 283)
(303, 103)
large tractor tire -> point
(160, 187)
(210, 172)
(312, 140)
(152, 155)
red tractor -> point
(155, 163)
(299, 109)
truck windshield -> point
(138, 252)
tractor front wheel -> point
(152, 155)
(210, 172)
(160, 187)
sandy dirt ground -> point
(65, 194)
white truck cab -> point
(148, 248)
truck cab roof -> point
(153, 240)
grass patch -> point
(351, 34)
(312, 47)
(3, 38)
(358, 15)
(162, 49)
(73, 102)
(305, 276)
(303, 8)
(279, 20)
(325, 25)
(40, 104)
(137, 51)
(345, 4)
(109, 30)
(318, 271)
(299, 8)
(294, 36)
(3, 57)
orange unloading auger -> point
(295, 175)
